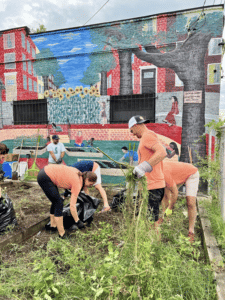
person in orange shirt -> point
(177, 174)
(150, 155)
(54, 176)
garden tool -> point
(15, 173)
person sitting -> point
(79, 140)
(131, 155)
(89, 165)
(53, 176)
(90, 142)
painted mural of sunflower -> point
(61, 97)
(82, 95)
(81, 88)
(68, 95)
(77, 90)
(58, 91)
(86, 90)
(54, 95)
(97, 94)
(46, 94)
(70, 90)
(91, 93)
(63, 90)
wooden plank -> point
(24, 235)
(212, 250)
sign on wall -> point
(193, 97)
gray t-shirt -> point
(57, 149)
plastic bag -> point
(119, 200)
(86, 207)
(7, 214)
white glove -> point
(141, 169)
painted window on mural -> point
(39, 89)
(9, 59)
(149, 26)
(214, 48)
(29, 67)
(24, 62)
(28, 46)
(30, 84)
(35, 86)
(133, 79)
(23, 40)
(33, 53)
(178, 82)
(24, 82)
(9, 41)
(109, 81)
(132, 58)
(214, 73)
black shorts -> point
(154, 199)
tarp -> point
(7, 214)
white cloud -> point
(53, 44)
(40, 39)
(90, 45)
(63, 61)
(70, 35)
(74, 50)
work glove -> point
(141, 169)
(59, 161)
(66, 194)
(80, 224)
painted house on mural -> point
(165, 67)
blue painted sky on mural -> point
(66, 47)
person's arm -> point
(53, 155)
(62, 154)
(158, 156)
(174, 195)
(103, 194)
(86, 190)
(73, 208)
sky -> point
(59, 14)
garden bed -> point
(92, 265)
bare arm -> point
(53, 155)
(159, 155)
(62, 154)
(73, 208)
(103, 194)
(86, 190)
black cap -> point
(55, 137)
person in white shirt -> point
(56, 151)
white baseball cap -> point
(137, 120)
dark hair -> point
(174, 146)
(92, 139)
(124, 148)
(48, 138)
(91, 176)
(175, 98)
(3, 149)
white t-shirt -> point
(57, 149)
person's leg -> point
(191, 193)
(154, 199)
(52, 193)
(192, 212)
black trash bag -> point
(7, 214)
(86, 207)
(119, 200)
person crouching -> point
(53, 176)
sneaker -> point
(191, 236)
(48, 227)
(65, 236)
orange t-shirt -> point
(177, 172)
(65, 177)
(155, 179)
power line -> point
(97, 12)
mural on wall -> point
(175, 56)
(170, 118)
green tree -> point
(41, 28)
(59, 79)
(187, 62)
(45, 65)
